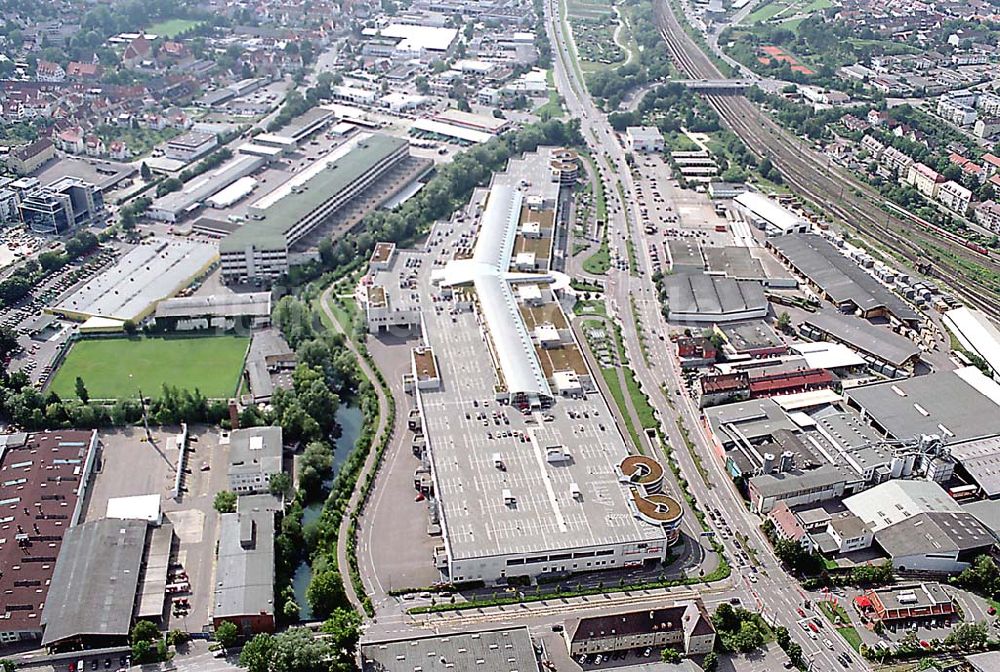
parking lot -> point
(129, 465)
(41, 345)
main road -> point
(776, 593)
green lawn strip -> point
(643, 409)
(844, 627)
(345, 310)
(599, 262)
(171, 28)
(611, 378)
(114, 368)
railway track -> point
(834, 190)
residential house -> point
(84, 71)
(955, 197)
(173, 53)
(47, 71)
(70, 140)
(118, 151)
(987, 127)
(987, 214)
(27, 158)
(925, 179)
(137, 51)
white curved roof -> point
(487, 272)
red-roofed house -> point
(70, 140)
(118, 151)
(925, 179)
(94, 146)
(82, 71)
(787, 526)
(48, 71)
(991, 164)
(137, 51)
(174, 53)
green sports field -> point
(171, 28)
(211, 364)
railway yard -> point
(971, 274)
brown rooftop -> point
(424, 364)
(641, 469)
(376, 296)
(546, 313)
(661, 508)
(40, 479)
(382, 252)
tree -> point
(144, 631)
(748, 638)
(142, 652)
(670, 655)
(81, 390)
(325, 592)
(280, 484)
(968, 636)
(711, 662)
(344, 628)
(225, 501)
(145, 172)
(784, 322)
(226, 634)
(256, 654)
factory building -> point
(260, 250)
(46, 476)
(768, 215)
(254, 456)
(244, 575)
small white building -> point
(644, 139)
(254, 456)
(190, 146)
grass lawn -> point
(551, 109)
(599, 262)
(173, 27)
(841, 621)
(766, 11)
(591, 307)
(212, 364)
(851, 636)
(345, 310)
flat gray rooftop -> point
(712, 295)
(817, 259)
(283, 214)
(151, 271)
(685, 256)
(735, 262)
(503, 650)
(245, 571)
(938, 403)
(860, 334)
(96, 579)
(462, 416)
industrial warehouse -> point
(131, 289)
(261, 250)
(506, 407)
(839, 279)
